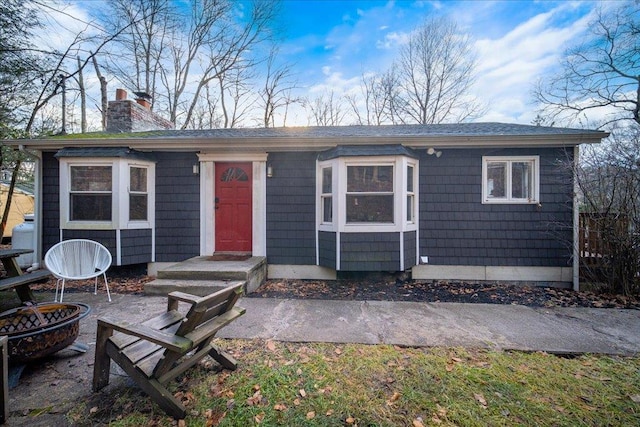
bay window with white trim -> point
(367, 194)
(511, 180)
(104, 193)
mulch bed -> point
(132, 280)
(440, 291)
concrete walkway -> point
(65, 378)
(554, 330)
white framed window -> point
(370, 194)
(138, 195)
(514, 179)
(90, 193)
(326, 196)
(411, 195)
(106, 193)
(367, 194)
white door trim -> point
(207, 196)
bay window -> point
(367, 193)
(106, 193)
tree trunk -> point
(83, 99)
(7, 206)
(104, 103)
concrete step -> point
(195, 287)
(179, 274)
(253, 271)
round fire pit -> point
(40, 330)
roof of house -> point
(22, 187)
(325, 137)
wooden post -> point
(4, 375)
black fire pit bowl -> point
(39, 330)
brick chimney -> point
(124, 115)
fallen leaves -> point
(440, 291)
(480, 398)
(438, 416)
(257, 398)
(394, 397)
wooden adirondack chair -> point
(154, 352)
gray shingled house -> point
(473, 201)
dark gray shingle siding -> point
(135, 246)
(457, 229)
(177, 207)
(50, 201)
(291, 209)
(369, 252)
(409, 249)
(327, 249)
(106, 237)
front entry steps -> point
(202, 276)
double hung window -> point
(138, 196)
(326, 196)
(510, 179)
(370, 194)
(90, 193)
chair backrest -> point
(78, 259)
(199, 322)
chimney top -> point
(143, 95)
(121, 94)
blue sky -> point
(332, 42)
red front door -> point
(233, 207)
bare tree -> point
(326, 110)
(276, 93)
(600, 73)
(138, 52)
(435, 73)
(609, 179)
(377, 100)
(104, 103)
(236, 96)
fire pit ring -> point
(39, 330)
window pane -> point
(138, 179)
(234, 174)
(375, 208)
(326, 180)
(137, 207)
(521, 180)
(410, 179)
(90, 178)
(410, 202)
(90, 207)
(370, 178)
(327, 209)
(496, 179)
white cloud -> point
(392, 40)
(509, 66)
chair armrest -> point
(184, 297)
(211, 327)
(169, 341)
